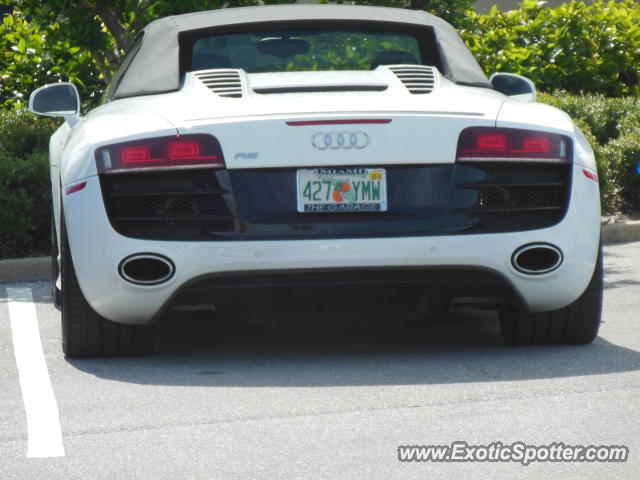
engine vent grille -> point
(222, 82)
(417, 79)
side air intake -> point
(418, 79)
(222, 82)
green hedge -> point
(623, 159)
(24, 184)
(574, 47)
(612, 125)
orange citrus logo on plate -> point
(339, 188)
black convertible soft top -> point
(155, 67)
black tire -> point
(577, 323)
(84, 332)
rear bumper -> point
(97, 250)
(375, 294)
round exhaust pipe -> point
(536, 258)
(146, 269)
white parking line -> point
(43, 423)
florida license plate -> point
(338, 190)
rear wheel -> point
(574, 324)
(84, 332)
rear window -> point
(305, 50)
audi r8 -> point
(307, 161)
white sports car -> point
(318, 160)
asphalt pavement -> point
(222, 403)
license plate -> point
(338, 190)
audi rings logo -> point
(344, 140)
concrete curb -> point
(25, 269)
(39, 268)
(621, 232)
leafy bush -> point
(453, 11)
(623, 155)
(24, 184)
(575, 47)
(31, 59)
(612, 125)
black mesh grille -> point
(158, 183)
(518, 174)
(157, 206)
(523, 197)
(512, 196)
(168, 205)
(254, 204)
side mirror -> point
(56, 100)
(514, 86)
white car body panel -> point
(435, 116)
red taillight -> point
(135, 154)
(491, 143)
(536, 145)
(163, 153)
(510, 144)
(181, 149)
